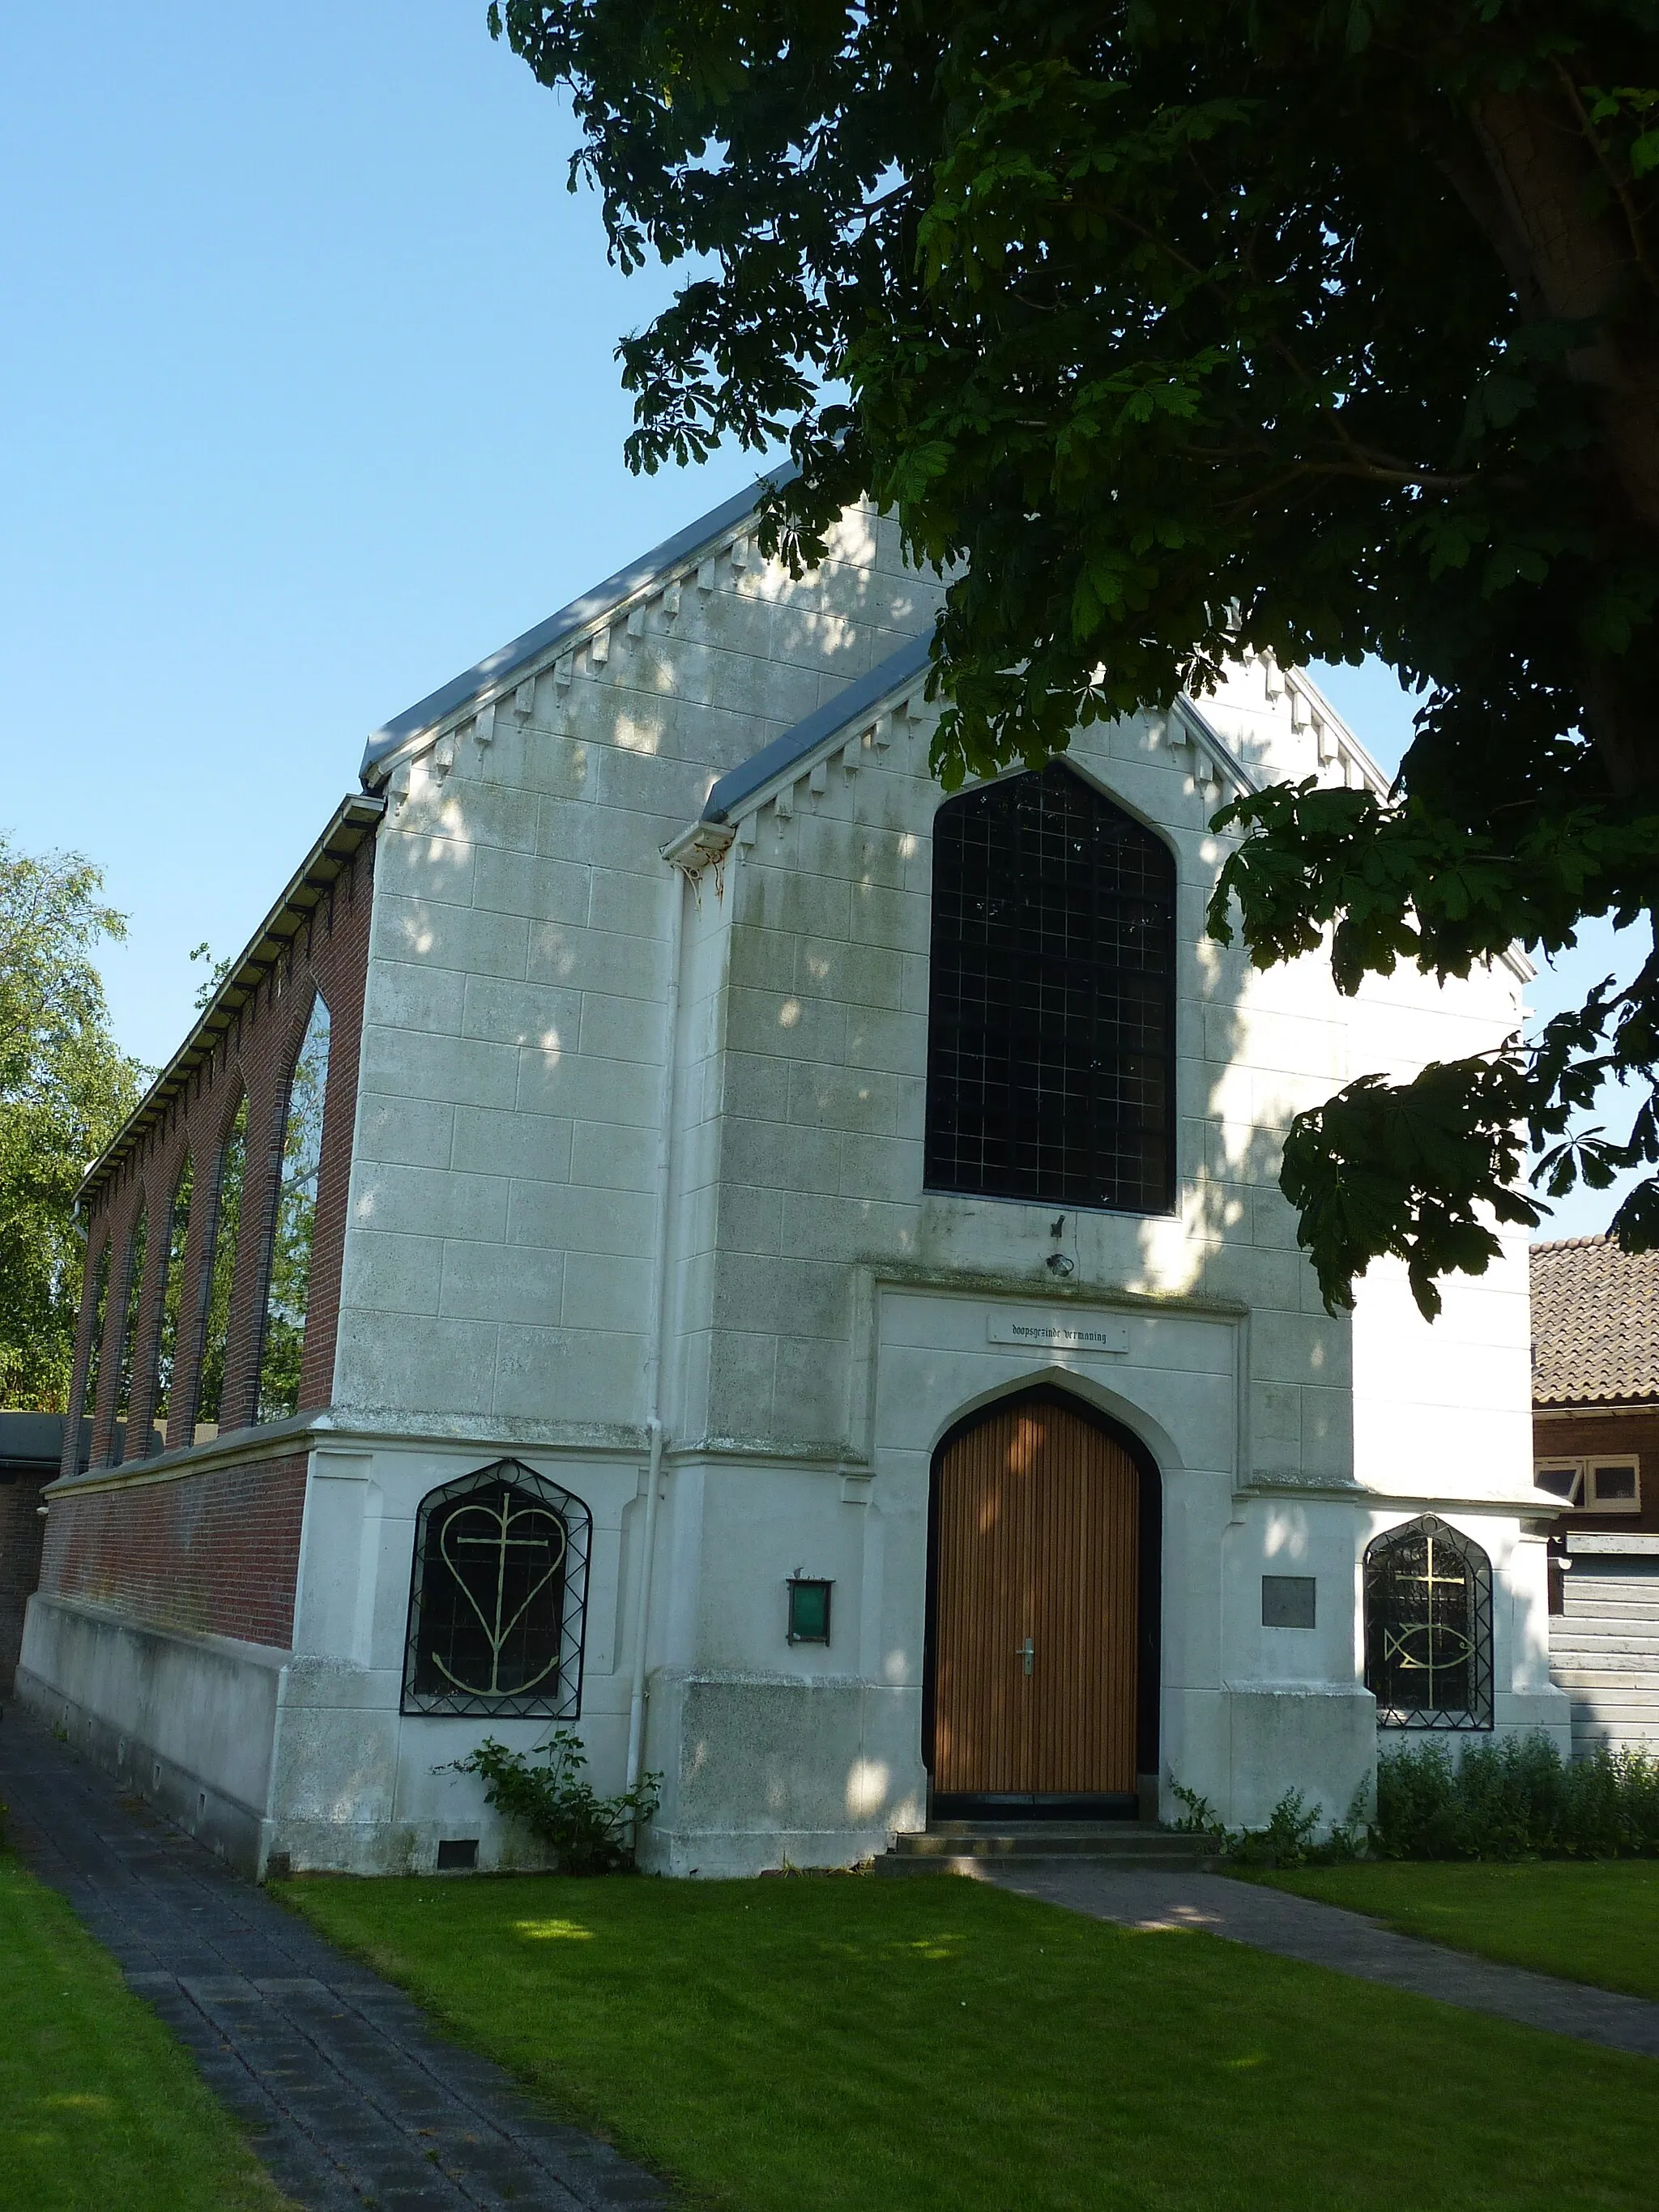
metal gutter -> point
(497, 670)
(352, 821)
(1591, 1409)
(656, 1335)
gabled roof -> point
(793, 753)
(1594, 1323)
(498, 671)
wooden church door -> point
(1036, 1604)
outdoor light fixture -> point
(809, 1611)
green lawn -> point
(862, 2046)
(100, 2111)
(1592, 1921)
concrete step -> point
(967, 1846)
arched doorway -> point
(1044, 1545)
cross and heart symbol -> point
(1434, 1646)
(498, 1519)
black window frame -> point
(560, 1699)
(1052, 943)
(1387, 1608)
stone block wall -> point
(498, 1254)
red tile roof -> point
(1594, 1323)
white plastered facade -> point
(825, 1319)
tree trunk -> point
(1586, 258)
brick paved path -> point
(1324, 1935)
(350, 2099)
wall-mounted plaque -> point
(1056, 1332)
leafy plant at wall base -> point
(1199, 1818)
(1288, 1839)
(586, 1833)
(1516, 1800)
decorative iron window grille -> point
(499, 1597)
(1428, 1628)
(1051, 1014)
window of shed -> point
(1613, 1486)
(1562, 1478)
(1051, 1014)
(1428, 1628)
(498, 1597)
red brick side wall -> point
(217, 1553)
(330, 956)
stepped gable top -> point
(501, 670)
(1594, 1323)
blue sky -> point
(310, 401)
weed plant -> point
(1287, 1840)
(1518, 1799)
(587, 1834)
(1515, 1800)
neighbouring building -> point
(1595, 1440)
(677, 1227)
(31, 1455)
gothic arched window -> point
(1051, 1008)
(128, 1356)
(173, 1294)
(1428, 1628)
(218, 1276)
(288, 1280)
(500, 1590)
(98, 1299)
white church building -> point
(780, 1271)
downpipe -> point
(654, 1340)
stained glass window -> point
(288, 1289)
(500, 1589)
(215, 1320)
(1051, 1015)
(1428, 1628)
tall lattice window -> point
(1051, 1015)
(500, 1590)
(287, 1297)
(1428, 1628)
(218, 1278)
